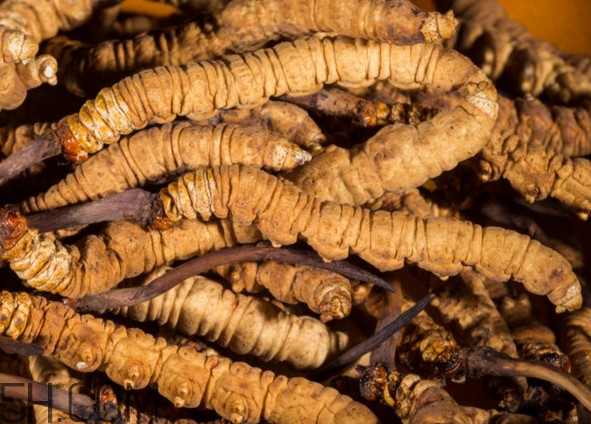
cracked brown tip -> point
(13, 226)
(158, 218)
(71, 147)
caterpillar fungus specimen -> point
(325, 292)
(243, 25)
(283, 213)
(23, 25)
(512, 56)
(525, 150)
(188, 378)
(99, 262)
(198, 90)
(245, 324)
(155, 153)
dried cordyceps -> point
(534, 170)
(159, 152)
(402, 156)
(100, 262)
(426, 348)
(18, 78)
(575, 338)
(245, 324)
(506, 51)
(199, 89)
(44, 369)
(429, 90)
(535, 341)
(286, 119)
(15, 138)
(560, 129)
(243, 25)
(415, 400)
(23, 25)
(467, 310)
(284, 213)
(185, 376)
(325, 292)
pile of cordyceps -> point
(291, 211)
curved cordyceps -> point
(243, 25)
(284, 213)
(44, 19)
(99, 262)
(18, 78)
(562, 129)
(533, 169)
(23, 25)
(535, 341)
(403, 156)
(159, 152)
(414, 399)
(188, 378)
(576, 341)
(425, 347)
(245, 324)
(509, 53)
(325, 292)
(198, 90)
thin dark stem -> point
(134, 295)
(372, 342)
(37, 150)
(131, 204)
(385, 353)
(77, 405)
(479, 361)
(10, 346)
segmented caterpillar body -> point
(245, 324)
(186, 377)
(284, 213)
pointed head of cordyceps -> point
(13, 225)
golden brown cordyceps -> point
(325, 292)
(99, 262)
(197, 90)
(23, 25)
(186, 377)
(284, 213)
(511, 55)
(243, 25)
(157, 153)
(246, 324)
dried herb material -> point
(161, 152)
(185, 376)
(284, 213)
(243, 25)
(326, 293)
(99, 262)
(534, 170)
(247, 325)
(511, 55)
(160, 95)
(577, 344)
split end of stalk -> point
(13, 225)
(158, 218)
(71, 147)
